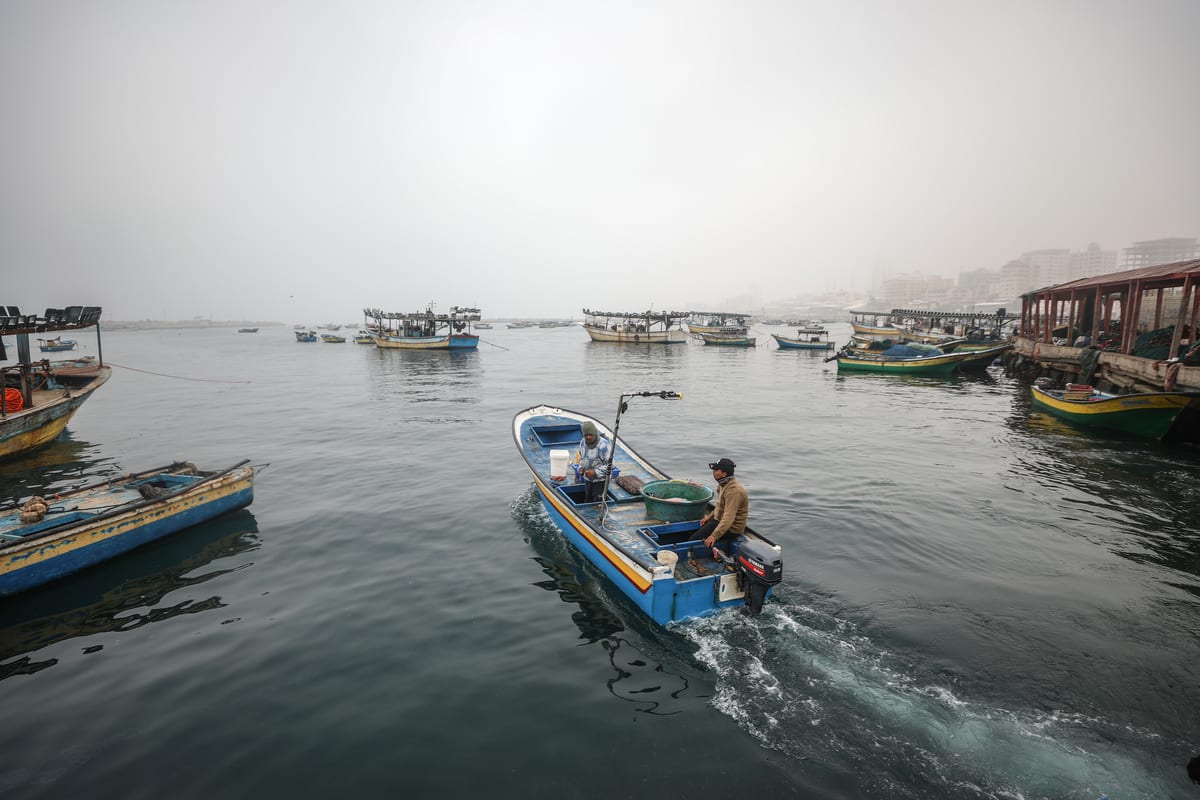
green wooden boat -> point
(1149, 414)
(866, 361)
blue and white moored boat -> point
(646, 544)
(42, 540)
(423, 330)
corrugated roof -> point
(1176, 271)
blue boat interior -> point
(555, 435)
(125, 494)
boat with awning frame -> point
(36, 399)
(423, 330)
(635, 327)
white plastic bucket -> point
(558, 463)
(668, 558)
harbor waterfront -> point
(979, 600)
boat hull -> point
(979, 359)
(457, 341)
(725, 340)
(786, 343)
(34, 427)
(620, 544)
(932, 365)
(28, 564)
(599, 333)
(1150, 415)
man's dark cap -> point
(725, 465)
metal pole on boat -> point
(622, 406)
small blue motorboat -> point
(57, 345)
(645, 539)
(43, 539)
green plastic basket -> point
(675, 501)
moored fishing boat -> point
(364, 337)
(701, 322)
(306, 336)
(980, 358)
(42, 540)
(868, 361)
(646, 545)
(1149, 414)
(56, 345)
(641, 327)
(247, 330)
(424, 330)
(807, 338)
(727, 339)
(38, 398)
(332, 338)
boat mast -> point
(622, 407)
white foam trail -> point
(795, 670)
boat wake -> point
(809, 684)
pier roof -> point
(1164, 275)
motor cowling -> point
(759, 566)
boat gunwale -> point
(69, 527)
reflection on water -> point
(1140, 491)
(638, 678)
(417, 376)
(122, 594)
(66, 459)
(649, 364)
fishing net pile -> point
(1154, 344)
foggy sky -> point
(297, 161)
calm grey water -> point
(979, 602)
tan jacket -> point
(732, 508)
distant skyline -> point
(296, 161)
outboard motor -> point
(759, 567)
(1045, 383)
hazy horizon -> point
(299, 161)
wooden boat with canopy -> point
(423, 330)
(38, 398)
(641, 327)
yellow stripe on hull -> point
(36, 437)
(1125, 402)
(613, 555)
(55, 546)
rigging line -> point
(165, 375)
(502, 347)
